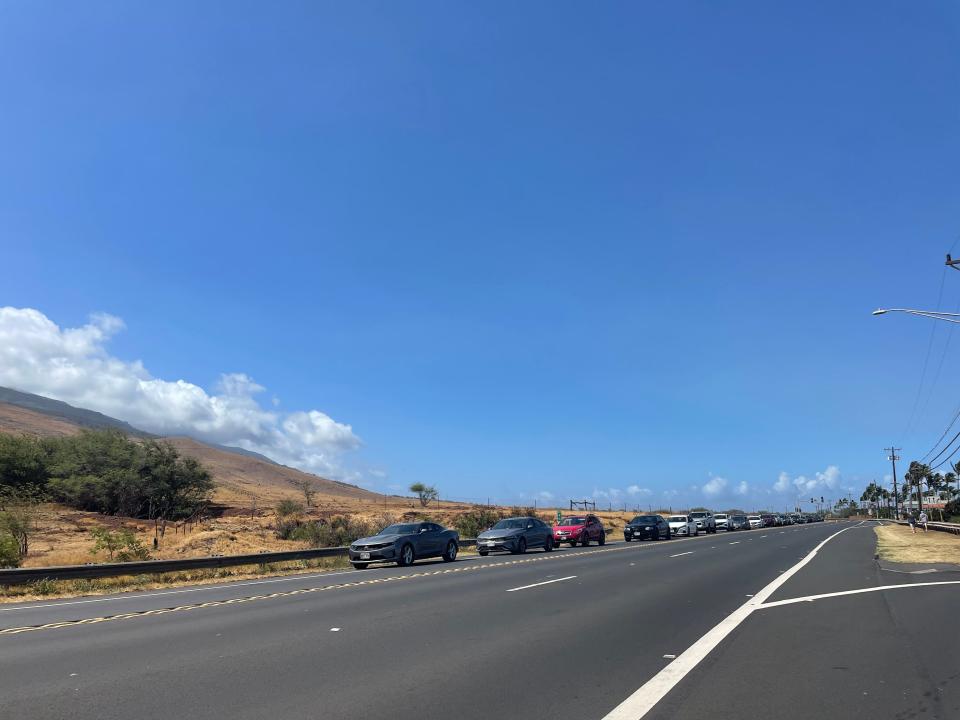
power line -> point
(926, 361)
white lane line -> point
(763, 536)
(652, 691)
(812, 598)
(545, 582)
(689, 552)
(737, 542)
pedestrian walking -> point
(912, 520)
(923, 520)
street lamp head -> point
(879, 311)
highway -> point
(690, 628)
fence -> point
(939, 526)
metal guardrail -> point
(20, 576)
(940, 526)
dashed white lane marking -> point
(652, 691)
(812, 598)
(669, 657)
(737, 542)
(545, 582)
(763, 536)
(334, 629)
(689, 552)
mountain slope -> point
(240, 476)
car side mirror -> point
(423, 530)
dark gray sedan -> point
(516, 535)
(405, 542)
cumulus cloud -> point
(73, 365)
(635, 490)
(819, 483)
(743, 488)
(714, 486)
(545, 495)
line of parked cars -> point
(403, 543)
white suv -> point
(755, 521)
(721, 519)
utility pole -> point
(893, 457)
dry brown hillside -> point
(239, 477)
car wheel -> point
(482, 553)
(359, 566)
(451, 553)
(584, 539)
(406, 556)
(627, 539)
(696, 532)
(603, 539)
(521, 547)
(548, 546)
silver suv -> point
(705, 521)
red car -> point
(579, 529)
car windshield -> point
(754, 517)
(573, 521)
(678, 518)
(645, 520)
(739, 518)
(511, 524)
(720, 516)
(698, 514)
(400, 529)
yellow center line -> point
(304, 591)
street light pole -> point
(932, 314)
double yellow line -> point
(303, 591)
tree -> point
(17, 521)
(426, 493)
(308, 487)
(914, 477)
(122, 545)
(871, 494)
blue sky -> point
(547, 248)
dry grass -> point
(897, 544)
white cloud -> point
(714, 486)
(634, 490)
(73, 365)
(783, 483)
(743, 488)
(545, 495)
(820, 484)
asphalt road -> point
(575, 633)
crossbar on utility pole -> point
(952, 263)
(893, 457)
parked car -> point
(579, 529)
(755, 521)
(787, 520)
(766, 520)
(403, 543)
(796, 518)
(516, 535)
(737, 522)
(721, 520)
(682, 525)
(705, 521)
(646, 527)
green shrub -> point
(120, 546)
(9, 552)
(472, 523)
